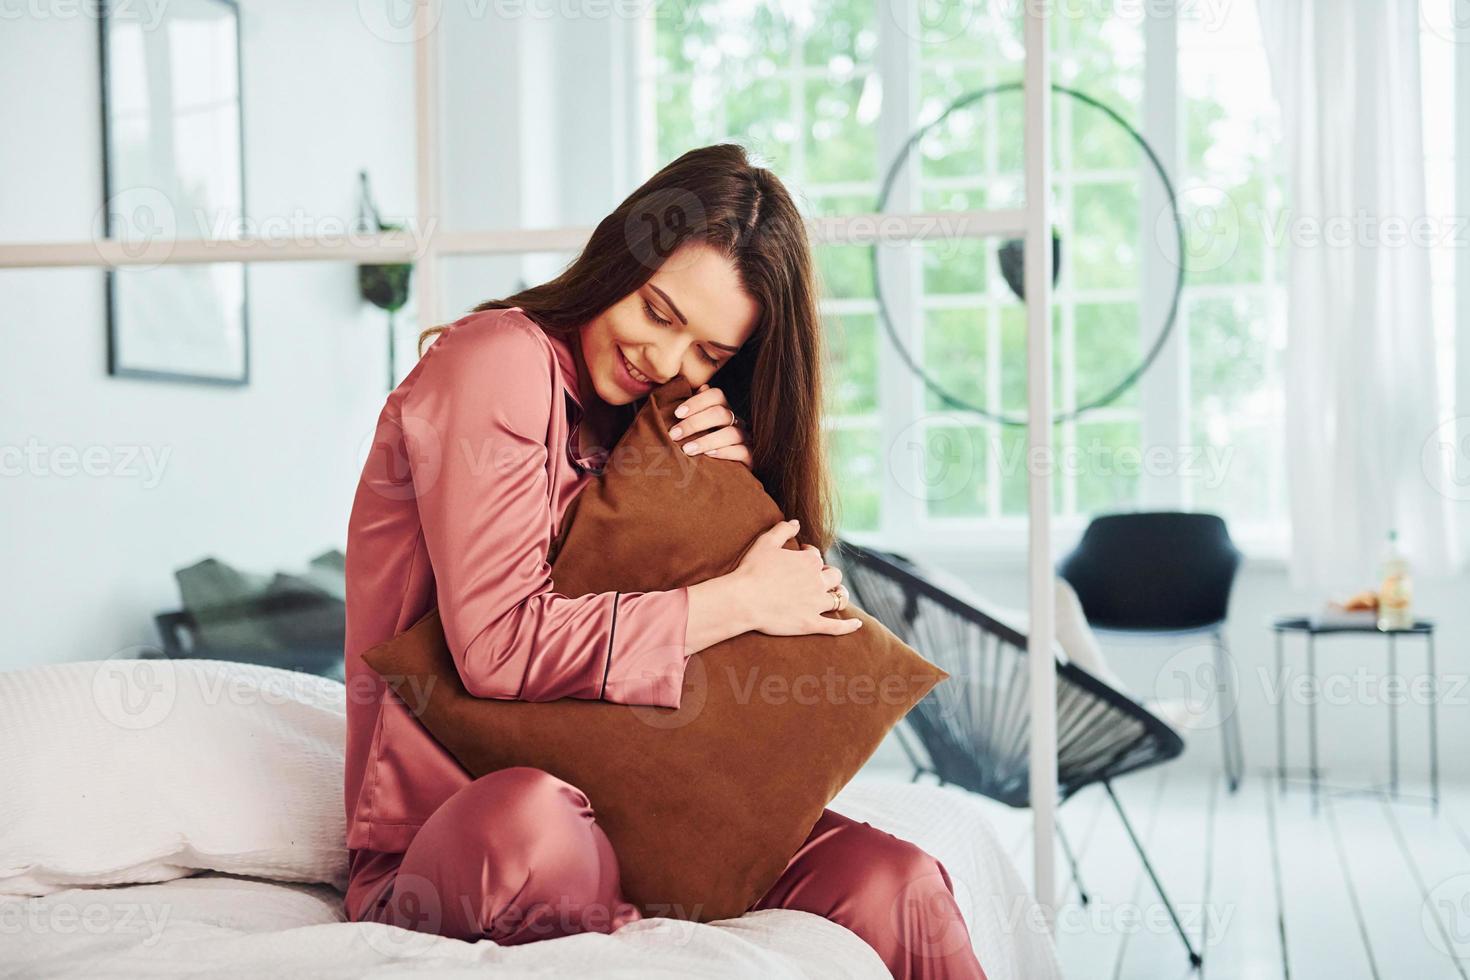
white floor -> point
(1266, 889)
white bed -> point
(205, 895)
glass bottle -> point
(1395, 595)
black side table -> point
(1304, 626)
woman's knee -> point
(520, 806)
(906, 910)
(894, 865)
(514, 856)
(899, 880)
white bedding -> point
(234, 925)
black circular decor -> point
(1012, 261)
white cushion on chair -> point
(1075, 641)
(1080, 644)
(1076, 636)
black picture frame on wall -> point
(173, 167)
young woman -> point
(704, 271)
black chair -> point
(1163, 576)
(973, 729)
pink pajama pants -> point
(517, 856)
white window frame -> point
(1163, 405)
(1003, 540)
(1164, 394)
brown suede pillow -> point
(704, 804)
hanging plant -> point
(384, 286)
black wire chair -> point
(1164, 576)
(974, 729)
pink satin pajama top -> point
(473, 462)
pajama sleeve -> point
(476, 422)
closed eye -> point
(653, 316)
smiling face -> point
(688, 319)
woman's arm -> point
(475, 423)
(718, 610)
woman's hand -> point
(785, 592)
(708, 415)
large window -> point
(1232, 323)
(800, 89)
(825, 92)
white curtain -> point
(1360, 385)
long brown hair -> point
(713, 194)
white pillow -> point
(1075, 635)
(1074, 639)
(123, 771)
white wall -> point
(261, 476)
(559, 155)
